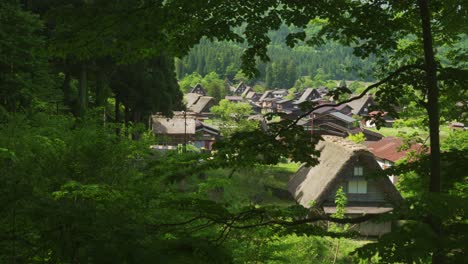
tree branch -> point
(359, 219)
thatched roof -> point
(266, 94)
(200, 126)
(202, 104)
(174, 125)
(240, 88)
(246, 91)
(361, 103)
(316, 183)
(198, 88)
(309, 94)
(252, 96)
(191, 98)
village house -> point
(344, 109)
(336, 118)
(234, 99)
(284, 104)
(239, 89)
(361, 106)
(330, 121)
(348, 165)
(199, 104)
(198, 89)
(265, 95)
(252, 96)
(255, 108)
(309, 94)
(269, 105)
(323, 91)
(387, 152)
(246, 91)
(280, 93)
(191, 98)
(183, 129)
(286, 107)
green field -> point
(406, 131)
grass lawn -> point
(263, 185)
(402, 131)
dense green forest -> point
(81, 184)
(332, 60)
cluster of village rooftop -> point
(342, 162)
(344, 120)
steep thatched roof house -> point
(309, 94)
(175, 130)
(268, 105)
(199, 104)
(191, 98)
(203, 105)
(265, 95)
(252, 96)
(240, 89)
(347, 164)
(361, 105)
(246, 91)
(198, 89)
(182, 129)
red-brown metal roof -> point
(388, 148)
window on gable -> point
(358, 171)
(357, 187)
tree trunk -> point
(100, 92)
(67, 90)
(117, 115)
(83, 90)
(433, 113)
(127, 119)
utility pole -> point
(311, 124)
(185, 131)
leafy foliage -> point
(357, 138)
(214, 86)
(24, 76)
(234, 116)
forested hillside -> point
(332, 60)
